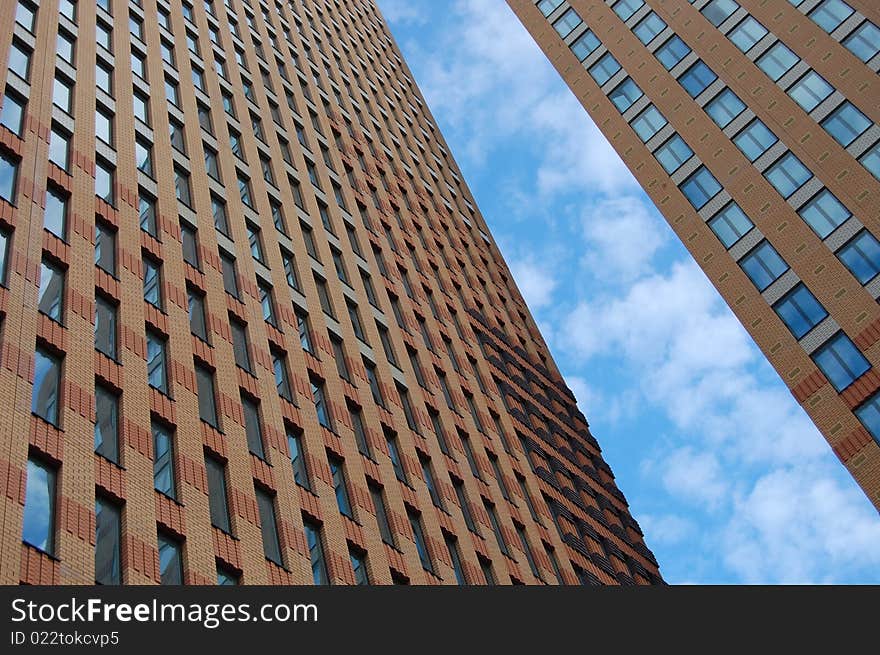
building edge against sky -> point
(753, 127)
(254, 329)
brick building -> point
(254, 329)
(752, 125)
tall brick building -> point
(254, 329)
(752, 125)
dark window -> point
(321, 407)
(381, 515)
(47, 386)
(268, 527)
(107, 424)
(496, 526)
(152, 282)
(763, 265)
(190, 245)
(157, 366)
(217, 498)
(359, 566)
(298, 458)
(375, 389)
(230, 282)
(800, 311)
(170, 561)
(396, 461)
(207, 400)
(316, 553)
(527, 549)
(240, 345)
(861, 255)
(428, 474)
(51, 301)
(252, 427)
(196, 308)
(38, 526)
(337, 471)
(108, 546)
(282, 378)
(105, 248)
(415, 523)
(841, 361)
(105, 327)
(163, 461)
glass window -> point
(870, 160)
(585, 45)
(869, 415)
(108, 543)
(4, 255)
(415, 523)
(718, 11)
(239, 345)
(800, 311)
(252, 427)
(267, 303)
(337, 472)
(181, 186)
(777, 61)
(207, 399)
(12, 112)
(810, 90)
(754, 139)
(463, 503)
(105, 327)
(700, 187)
(217, 498)
(104, 179)
(626, 8)
(625, 94)
(604, 69)
(59, 148)
(55, 214)
(61, 94)
(861, 255)
(106, 424)
(649, 27)
(841, 361)
(143, 156)
(152, 282)
(157, 366)
(864, 42)
(226, 578)
(747, 33)
(496, 527)
(359, 566)
(321, 408)
(105, 248)
(297, 458)
(788, 174)
(846, 123)
(51, 299)
(8, 173)
(824, 212)
(170, 561)
(25, 15)
(104, 128)
(565, 24)
(103, 78)
(648, 123)
(196, 309)
(671, 52)
(268, 527)
(547, 7)
(829, 14)
(763, 265)
(38, 526)
(19, 60)
(230, 283)
(673, 153)
(189, 242)
(696, 78)
(282, 378)
(147, 214)
(316, 553)
(730, 224)
(724, 107)
(163, 460)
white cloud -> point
(666, 528)
(402, 12)
(694, 476)
(535, 282)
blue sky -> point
(728, 477)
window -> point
(51, 299)
(730, 224)
(604, 69)
(255, 243)
(355, 318)
(282, 378)
(297, 458)
(763, 265)
(267, 303)
(141, 107)
(673, 154)
(788, 174)
(829, 14)
(217, 498)
(648, 123)
(147, 213)
(108, 543)
(268, 527)
(157, 367)
(585, 45)
(226, 578)
(394, 454)
(244, 190)
(869, 414)
(12, 112)
(567, 23)
(458, 486)
(649, 27)
(358, 566)
(212, 166)
(139, 64)
(486, 568)
(547, 7)
(172, 92)
(4, 255)
(104, 130)
(754, 139)
(196, 308)
(841, 361)
(375, 389)
(105, 248)
(747, 33)
(170, 561)
(864, 42)
(846, 123)
(777, 61)
(8, 173)
(381, 515)
(152, 282)
(38, 526)
(700, 187)
(428, 474)
(316, 553)
(626, 8)
(103, 80)
(496, 526)
(415, 522)
(252, 427)
(25, 15)
(19, 59)
(207, 400)
(724, 107)
(861, 255)
(181, 186)
(718, 11)
(321, 408)
(55, 214)
(59, 148)
(337, 473)
(800, 311)
(810, 90)
(870, 160)
(824, 213)
(105, 327)
(230, 283)
(163, 460)
(61, 94)
(625, 94)
(527, 549)
(496, 469)
(240, 345)
(696, 78)
(671, 52)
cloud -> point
(666, 528)
(402, 12)
(535, 282)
